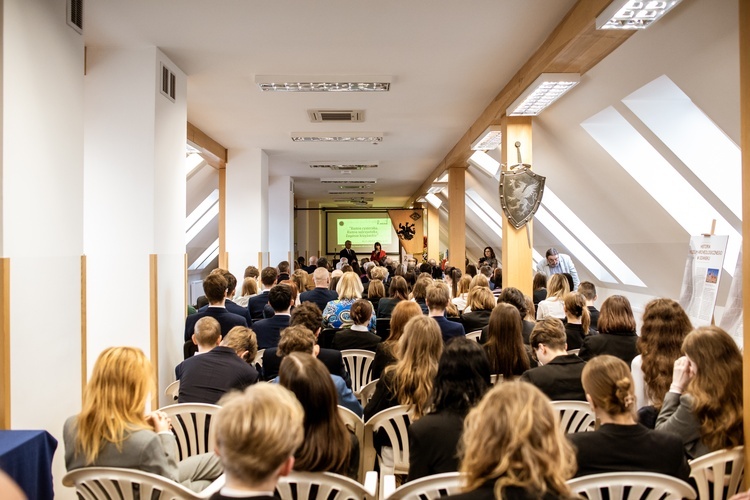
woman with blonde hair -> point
(610, 392)
(249, 289)
(462, 292)
(375, 292)
(504, 347)
(513, 447)
(616, 332)
(557, 288)
(113, 429)
(336, 313)
(579, 319)
(386, 352)
(479, 306)
(704, 402)
(302, 279)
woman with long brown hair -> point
(557, 288)
(616, 332)
(665, 326)
(398, 290)
(386, 352)
(328, 446)
(704, 402)
(504, 347)
(513, 447)
(579, 319)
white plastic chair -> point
(110, 483)
(191, 425)
(394, 421)
(475, 335)
(359, 365)
(639, 485)
(355, 424)
(323, 485)
(424, 488)
(710, 472)
(366, 392)
(575, 416)
(173, 390)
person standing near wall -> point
(558, 263)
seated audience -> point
(375, 292)
(513, 447)
(398, 290)
(113, 429)
(621, 444)
(244, 343)
(588, 290)
(540, 288)
(283, 269)
(268, 330)
(229, 304)
(496, 282)
(328, 445)
(552, 306)
(249, 289)
(463, 376)
(438, 297)
(206, 377)
(452, 277)
(336, 312)
(215, 288)
(256, 305)
(514, 297)
(480, 303)
(704, 402)
(320, 295)
(386, 351)
(559, 373)
(358, 336)
(301, 280)
(507, 354)
(419, 292)
(578, 319)
(617, 335)
(257, 434)
(461, 294)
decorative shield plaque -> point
(520, 194)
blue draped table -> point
(26, 456)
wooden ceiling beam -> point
(574, 46)
(214, 153)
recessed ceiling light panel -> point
(361, 137)
(633, 15)
(490, 139)
(545, 90)
(323, 83)
(344, 166)
(352, 192)
(348, 181)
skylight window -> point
(649, 168)
(204, 213)
(192, 161)
(691, 135)
(206, 257)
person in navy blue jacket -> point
(438, 297)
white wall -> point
(281, 218)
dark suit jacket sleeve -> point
(586, 353)
(382, 399)
(342, 371)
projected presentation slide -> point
(363, 229)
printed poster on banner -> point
(700, 283)
(408, 225)
(731, 320)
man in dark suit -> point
(347, 252)
(228, 303)
(256, 304)
(320, 295)
(438, 296)
(206, 377)
(283, 271)
(559, 373)
(309, 316)
(268, 330)
(215, 288)
(313, 264)
(359, 335)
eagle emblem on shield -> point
(520, 193)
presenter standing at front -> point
(377, 255)
(558, 263)
(347, 252)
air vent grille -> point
(168, 83)
(75, 15)
(364, 193)
(362, 137)
(362, 182)
(344, 166)
(336, 115)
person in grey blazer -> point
(112, 431)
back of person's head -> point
(464, 283)
(361, 312)
(454, 275)
(350, 286)
(571, 283)
(257, 431)
(486, 271)
(513, 436)
(463, 376)
(402, 313)
(575, 305)
(420, 288)
(438, 296)
(514, 297)
(411, 279)
(307, 314)
(665, 326)
(376, 289)
(114, 399)
(283, 267)
(471, 270)
(249, 287)
(207, 332)
(300, 261)
(587, 289)
(300, 279)
(497, 278)
(280, 297)
(201, 301)
(321, 276)
(424, 267)
(243, 341)
(398, 289)
(479, 280)
(480, 299)
(616, 315)
(252, 272)
(540, 281)
(296, 338)
(231, 280)
(268, 276)
(292, 288)
(215, 288)
(323, 262)
(531, 310)
(326, 447)
(550, 332)
(557, 286)
(717, 386)
(504, 346)
(609, 385)
(378, 272)
(346, 268)
(313, 260)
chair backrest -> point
(191, 425)
(259, 357)
(324, 485)
(721, 472)
(359, 365)
(173, 390)
(366, 392)
(575, 416)
(355, 424)
(635, 485)
(425, 488)
(394, 421)
(110, 483)
(475, 335)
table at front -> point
(26, 456)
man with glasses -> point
(558, 263)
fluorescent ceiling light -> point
(485, 162)
(545, 90)
(323, 83)
(372, 137)
(433, 200)
(352, 192)
(633, 15)
(347, 180)
(490, 139)
(206, 257)
(437, 188)
(344, 166)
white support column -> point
(281, 218)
